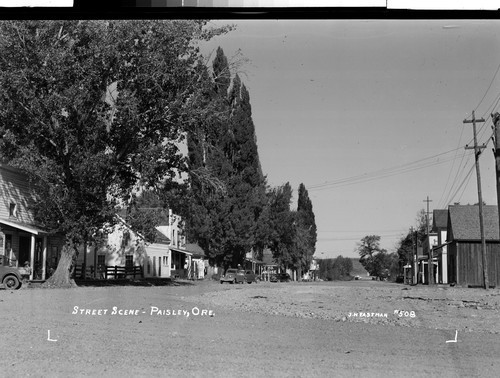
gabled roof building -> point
(21, 240)
(465, 264)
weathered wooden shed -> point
(465, 262)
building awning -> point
(255, 261)
(179, 250)
(22, 226)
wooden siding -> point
(469, 263)
(14, 188)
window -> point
(101, 260)
(13, 209)
(129, 260)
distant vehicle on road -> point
(10, 277)
(250, 276)
(233, 276)
(280, 277)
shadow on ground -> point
(133, 282)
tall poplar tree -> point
(282, 226)
(224, 222)
(308, 231)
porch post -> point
(95, 260)
(169, 263)
(32, 256)
(444, 262)
(84, 268)
(44, 257)
(437, 271)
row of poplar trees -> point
(232, 210)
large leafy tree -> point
(372, 256)
(335, 269)
(93, 109)
(415, 237)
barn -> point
(465, 264)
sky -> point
(368, 115)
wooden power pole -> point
(477, 151)
(496, 151)
(430, 265)
(414, 256)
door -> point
(24, 250)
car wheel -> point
(11, 282)
(221, 282)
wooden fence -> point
(106, 271)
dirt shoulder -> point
(445, 308)
(268, 329)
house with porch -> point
(167, 257)
(440, 248)
(21, 240)
(423, 260)
(465, 261)
(253, 263)
(199, 261)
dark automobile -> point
(280, 277)
(250, 276)
(233, 276)
(10, 277)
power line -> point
(453, 166)
(489, 86)
(390, 236)
(386, 172)
(455, 180)
(466, 178)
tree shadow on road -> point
(133, 282)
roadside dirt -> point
(205, 329)
(369, 302)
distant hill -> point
(357, 268)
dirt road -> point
(266, 330)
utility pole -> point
(414, 257)
(477, 151)
(430, 266)
(496, 151)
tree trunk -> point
(61, 277)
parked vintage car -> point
(280, 277)
(10, 277)
(233, 276)
(250, 276)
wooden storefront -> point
(466, 263)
